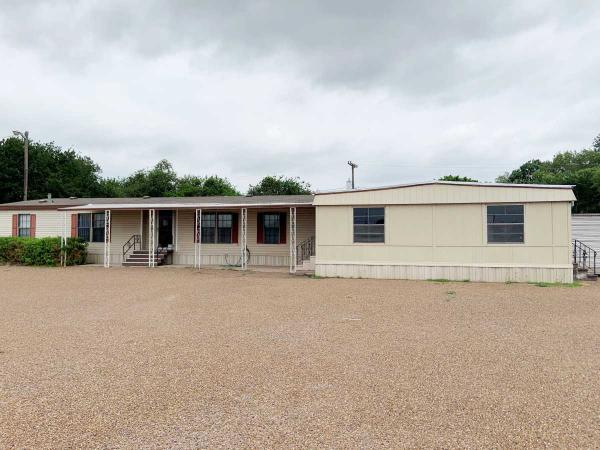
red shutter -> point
(15, 225)
(234, 228)
(260, 230)
(32, 225)
(74, 225)
(282, 228)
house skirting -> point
(492, 273)
(186, 259)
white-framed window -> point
(369, 225)
(90, 227)
(24, 225)
(505, 224)
(271, 227)
(217, 228)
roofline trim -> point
(454, 183)
(177, 205)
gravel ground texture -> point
(176, 358)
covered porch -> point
(201, 235)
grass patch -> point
(546, 284)
(315, 277)
(439, 280)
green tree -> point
(458, 178)
(193, 186)
(52, 170)
(578, 168)
(279, 185)
(160, 181)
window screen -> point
(84, 225)
(98, 227)
(224, 226)
(271, 224)
(24, 225)
(505, 224)
(369, 225)
(209, 225)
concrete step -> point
(135, 264)
(304, 273)
(146, 257)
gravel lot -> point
(170, 357)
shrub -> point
(41, 251)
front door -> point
(165, 228)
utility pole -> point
(25, 137)
(354, 166)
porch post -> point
(151, 243)
(244, 240)
(63, 241)
(292, 240)
(107, 225)
(198, 238)
(176, 225)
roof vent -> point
(146, 196)
(43, 200)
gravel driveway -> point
(170, 357)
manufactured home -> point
(450, 230)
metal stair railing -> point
(305, 249)
(132, 242)
(584, 257)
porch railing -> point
(584, 257)
(133, 242)
(305, 249)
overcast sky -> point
(410, 90)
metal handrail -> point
(132, 242)
(305, 249)
(585, 256)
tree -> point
(160, 181)
(578, 168)
(279, 185)
(193, 186)
(52, 170)
(458, 178)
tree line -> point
(580, 168)
(66, 173)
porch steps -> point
(307, 267)
(583, 273)
(139, 258)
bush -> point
(41, 251)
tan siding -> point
(443, 193)
(48, 223)
(444, 235)
(260, 254)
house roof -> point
(456, 183)
(161, 202)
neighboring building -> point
(586, 228)
(451, 230)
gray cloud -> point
(413, 89)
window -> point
(217, 228)
(271, 225)
(505, 224)
(24, 225)
(90, 227)
(224, 226)
(369, 225)
(98, 227)
(84, 224)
